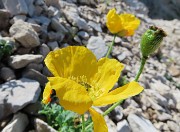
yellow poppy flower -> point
(123, 24)
(80, 81)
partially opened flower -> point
(80, 81)
(121, 24)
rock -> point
(41, 126)
(174, 71)
(95, 26)
(4, 19)
(24, 33)
(72, 15)
(173, 126)
(53, 45)
(46, 72)
(164, 117)
(37, 67)
(57, 26)
(31, 7)
(16, 94)
(42, 20)
(36, 75)
(44, 50)
(18, 17)
(140, 124)
(33, 109)
(97, 46)
(88, 2)
(20, 61)
(16, 7)
(56, 36)
(17, 124)
(161, 126)
(116, 114)
(53, 11)
(7, 74)
(123, 126)
(5, 121)
(83, 35)
(77, 39)
(54, 3)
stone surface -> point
(35, 75)
(95, 26)
(4, 19)
(97, 46)
(20, 61)
(17, 124)
(24, 33)
(123, 126)
(140, 124)
(7, 74)
(44, 50)
(83, 35)
(16, 94)
(16, 7)
(173, 126)
(53, 45)
(41, 126)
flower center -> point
(93, 90)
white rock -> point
(16, 94)
(20, 61)
(123, 126)
(24, 33)
(140, 124)
(41, 126)
(173, 126)
(17, 124)
(97, 46)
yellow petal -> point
(71, 61)
(98, 121)
(108, 73)
(129, 23)
(128, 90)
(47, 93)
(72, 96)
(113, 21)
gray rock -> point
(37, 67)
(24, 33)
(30, 6)
(121, 57)
(20, 61)
(36, 75)
(53, 45)
(87, 2)
(16, 7)
(4, 19)
(77, 39)
(17, 124)
(57, 26)
(97, 46)
(22, 50)
(117, 114)
(41, 126)
(83, 35)
(53, 11)
(95, 26)
(44, 50)
(33, 109)
(54, 3)
(42, 20)
(140, 124)
(46, 72)
(173, 126)
(16, 94)
(7, 74)
(72, 15)
(123, 126)
(56, 36)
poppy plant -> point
(81, 81)
(121, 24)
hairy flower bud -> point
(151, 40)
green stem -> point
(83, 123)
(143, 62)
(110, 47)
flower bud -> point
(151, 40)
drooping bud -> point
(151, 40)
